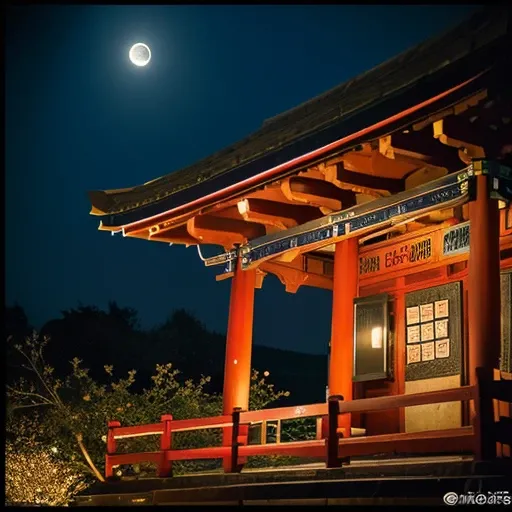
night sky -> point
(80, 117)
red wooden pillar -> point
(237, 366)
(344, 291)
(484, 281)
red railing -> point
(480, 438)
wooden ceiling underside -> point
(444, 143)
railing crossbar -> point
(142, 434)
(367, 405)
(201, 427)
(284, 413)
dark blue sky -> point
(80, 117)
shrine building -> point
(393, 191)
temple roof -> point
(431, 75)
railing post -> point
(165, 467)
(485, 448)
(111, 447)
(263, 437)
(319, 428)
(235, 432)
(243, 439)
(333, 460)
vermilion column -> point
(484, 281)
(237, 366)
(344, 292)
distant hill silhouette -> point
(114, 337)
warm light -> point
(235, 361)
(243, 206)
(377, 337)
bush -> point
(74, 411)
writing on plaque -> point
(368, 265)
(456, 239)
(398, 256)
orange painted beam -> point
(484, 281)
(342, 331)
(224, 231)
(293, 278)
(275, 215)
(306, 191)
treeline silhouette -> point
(114, 337)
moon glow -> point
(140, 54)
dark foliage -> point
(115, 337)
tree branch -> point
(55, 397)
(85, 453)
(29, 394)
(28, 405)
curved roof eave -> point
(226, 185)
(434, 91)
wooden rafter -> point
(319, 193)
(419, 149)
(304, 271)
(175, 235)
(224, 231)
(274, 214)
(367, 181)
(455, 136)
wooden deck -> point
(418, 466)
(411, 480)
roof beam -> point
(457, 109)
(223, 231)
(453, 134)
(322, 194)
(367, 181)
(293, 278)
(274, 214)
(419, 149)
(332, 175)
(292, 275)
(174, 235)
